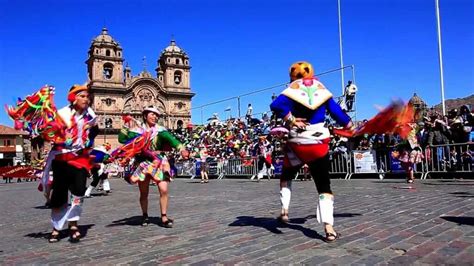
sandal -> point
(331, 237)
(53, 238)
(168, 223)
(74, 234)
(283, 218)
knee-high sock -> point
(325, 209)
(71, 213)
(285, 196)
(260, 173)
(89, 191)
(106, 185)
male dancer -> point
(303, 106)
(81, 129)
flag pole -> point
(440, 56)
(340, 44)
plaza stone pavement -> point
(233, 221)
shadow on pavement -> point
(273, 225)
(134, 221)
(42, 207)
(345, 215)
(463, 194)
(458, 183)
(99, 194)
(63, 233)
(459, 220)
(390, 182)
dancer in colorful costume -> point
(144, 145)
(303, 106)
(99, 171)
(72, 130)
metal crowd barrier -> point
(240, 167)
(186, 168)
(449, 158)
(378, 162)
(340, 163)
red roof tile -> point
(7, 149)
(5, 130)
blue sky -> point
(241, 46)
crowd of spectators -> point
(434, 129)
(234, 138)
(249, 137)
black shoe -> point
(145, 221)
(168, 223)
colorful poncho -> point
(144, 146)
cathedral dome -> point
(173, 49)
(417, 101)
(105, 38)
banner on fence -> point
(395, 164)
(212, 167)
(278, 167)
(364, 162)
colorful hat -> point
(151, 109)
(74, 90)
(301, 69)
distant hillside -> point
(456, 103)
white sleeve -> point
(93, 121)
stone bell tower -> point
(107, 84)
(105, 62)
(173, 73)
(173, 69)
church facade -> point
(116, 92)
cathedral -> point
(116, 91)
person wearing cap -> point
(303, 106)
(150, 164)
(81, 129)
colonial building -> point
(117, 92)
(14, 146)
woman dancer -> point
(149, 164)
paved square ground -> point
(233, 221)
